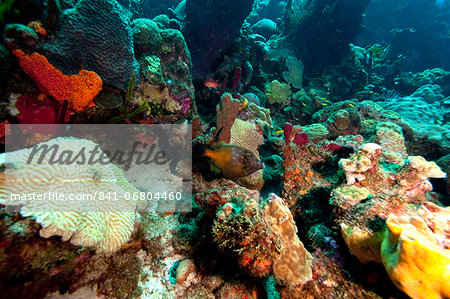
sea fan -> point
(391, 94)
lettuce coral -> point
(247, 135)
(79, 90)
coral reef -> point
(105, 226)
(241, 228)
(278, 93)
(312, 143)
(376, 216)
(264, 238)
(96, 36)
(208, 31)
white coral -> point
(102, 224)
(424, 168)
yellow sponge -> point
(416, 258)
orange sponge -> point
(79, 90)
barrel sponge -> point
(80, 90)
(294, 266)
(95, 35)
(416, 254)
(102, 225)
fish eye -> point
(247, 155)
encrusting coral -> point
(386, 216)
(79, 90)
(104, 225)
(278, 93)
(264, 238)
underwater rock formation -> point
(96, 36)
(321, 31)
(212, 29)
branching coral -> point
(79, 90)
(103, 225)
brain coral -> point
(104, 225)
(95, 35)
(146, 37)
